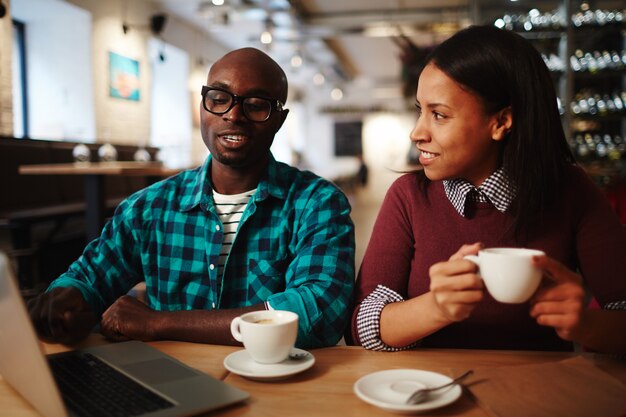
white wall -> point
(18, 103)
(170, 119)
(290, 138)
(6, 74)
(59, 71)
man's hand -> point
(129, 318)
(456, 287)
(61, 316)
(560, 303)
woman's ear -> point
(503, 123)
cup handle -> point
(234, 329)
(473, 258)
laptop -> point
(141, 380)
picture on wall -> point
(348, 141)
(123, 77)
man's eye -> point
(254, 107)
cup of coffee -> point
(508, 273)
(268, 335)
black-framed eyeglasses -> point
(256, 109)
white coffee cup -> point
(268, 335)
(508, 273)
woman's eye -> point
(418, 110)
(438, 116)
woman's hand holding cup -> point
(560, 303)
(510, 275)
(455, 286)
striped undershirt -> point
(229, 208)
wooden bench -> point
(48, 202)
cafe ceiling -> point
(358, 42)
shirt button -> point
(217, 227)
(211, 267)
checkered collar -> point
(496, 190)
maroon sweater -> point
(417, 226)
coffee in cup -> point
(508, 273)
(265, 321)
(268, 335)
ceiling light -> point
(218, 2)
(266, 38)
(336, 94)
(382, 30)
(296, 61)
(318, 79)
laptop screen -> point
(22, 362)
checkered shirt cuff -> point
(616, 305)
(368, 319)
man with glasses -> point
(242, 232)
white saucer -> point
(390, 389)
(241, 363)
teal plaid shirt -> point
(294, 249)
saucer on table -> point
(390, 389)
(241, 363)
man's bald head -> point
(261, 63)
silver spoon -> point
(421, 394)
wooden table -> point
(327, 388)
(94, 173)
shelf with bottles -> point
(585, 17)
(585, 52)
(548, 30)
(592, 103)
(597, 146)
(589, 65)
(555, 21)
(598, 63)
(550, 22)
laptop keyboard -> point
(91, 388)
